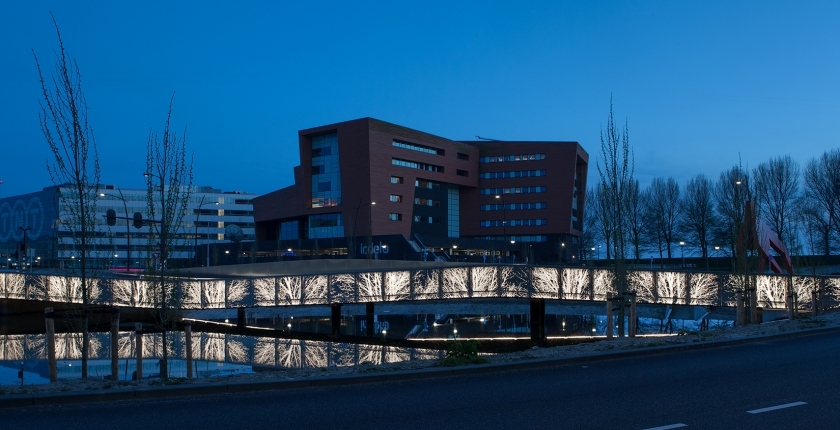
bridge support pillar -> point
(138, 335)
(50, 321)
(537, 321)
(240, 318)
(188, 339)
(335, 319)
(369, 332)
(115, 344)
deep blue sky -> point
(699, 82)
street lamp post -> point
(682, 253)
(195, 242)
(22, 254)
(504, 222)
(127, 228)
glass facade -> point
(290, 230)
(326, 225)
(454, 213)
(326, 182)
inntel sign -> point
(19, 214)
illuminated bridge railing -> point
(504, 281)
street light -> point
(195, 241)
(682, 253)
(504, 221)
(127, 228)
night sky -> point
(700, 83)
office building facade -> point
(50, 242)
(370, 188)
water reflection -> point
(214, 354)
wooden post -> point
(632, 326)
(48, 315)
(753, 303)
(609, 317)
(138, 335)
(115, 344)
(188, 339)
(739, 307)
(815, 309)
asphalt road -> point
(783, 384)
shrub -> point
(461, 353)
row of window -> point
(422, 183)
(427, 219)
(531, 238)
(419, 183)
(514, 206)
(417, 165)
(512, 174)
(426, 202)
(419, 148)
(512, 190)
(513, 223)
(417, 218)
(505, 158)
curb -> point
(44, 399)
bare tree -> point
(664, 209)
(604, 221)
(591, 225)
(812, 224)
(616, 172)
(822, 193)
(75, 168)
(698, 213)
(169, 179)
(776, 185)
(731, 194)
(636, 220)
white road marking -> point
(669, 426)
(773, 408)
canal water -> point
(220, 354)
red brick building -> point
(367, 181)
